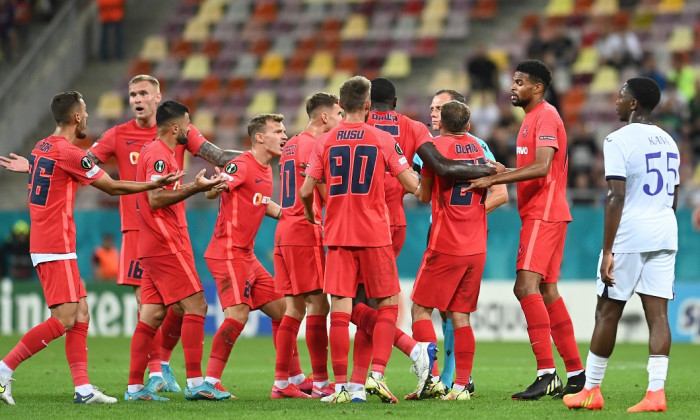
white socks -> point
(595, 370)
(657, 368)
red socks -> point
(154, 357)
(294, 363)
(423, 331)
(141, 345)
(361, 357)
(464, 354)
(169, 331)
(563, 335)
(317, 342)
(366, 318)
(221, 346)
(340, 345)
(192, 344)
(383, 336)
(538, 329)
(34, 341)
(285, 343)
(76, 353)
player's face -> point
(274, 137)
(521, 89)
(623, 104)
(335, 116)
(435, 108)
(81, 128)
(143, 100)
(183, 129)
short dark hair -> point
(382, 90)
(537, 71)
(320, 100)
(168, 111)
(646, 91)
(454, 95)
(454, 116)
(259, 122)
(354, 92)
(63, 105)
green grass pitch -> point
(43, 387)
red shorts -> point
(243, 280)
(130, 271)
(398, 237)
(169, 278)
(541, 248)
(376, 265)
(299, 269)
(449, 282)
(61, 281)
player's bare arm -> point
(537, 169)
(215, 155)
(160, 198)
(15, 163)
(498, 195)
(114, 187)
(306, 194)
(273, 210)
(92, 157)
(216, 191)
(449, 168)
(426, 189)
(614, 203)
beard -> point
(181, 139)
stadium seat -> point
(154, 48)
(321, 65)
(263, 101)
(485, 9)
(355, 27)
(110, 105)
(238, 11)
(682, 39)
(412, 8)
(168, 69)
(181, 49)
(559, 8)
(456, 28)
(336, 80)
(605, 80)
(586, 61)
(139, 66)
(196, 30)
(204, 120)
(271, 67)
(405, 28)
(265, 11)
(210, 86)
(246, 65)
(435, 10)
(605, 7)
(211, 48)
(396, 66)
(670, 6)
(196, 67)
(211, 11)
(347, 62)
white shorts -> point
(648, 273)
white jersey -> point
(647, 158)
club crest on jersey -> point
(159, 166)
(86, 162)
(525, 131)
(398, 149)
(231, 168)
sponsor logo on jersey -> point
(86, 162)
(398, 149)
(259, 199)
(547, 138)
(521, 150)
(231, 168)
(159, 166)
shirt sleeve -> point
(235, 173)
(547, 130)
(315, 167)
(487, 151)
(195, 140)
(393, 155)
(104, 147)
(421, 133)
(614, 157)
(79, 166)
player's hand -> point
(500, 168)
(311, 217)
(485, 182)
(204, 184)
(170, 178)
(606, 269)
(15, 163)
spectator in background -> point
(673, 109)
(682, 74)
(111, 16)
(482, 71)
(617, 45)
(9, 43)
(15, 261)
(650, 70)
(105, 260)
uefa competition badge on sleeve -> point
(159, 166)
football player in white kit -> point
(640, 241)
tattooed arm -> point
(92, 157)
(215, 155)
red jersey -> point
(352, 157)
(125, 142)
(242, 207)
(409, 134)
(55, 168)
(293, 228)
(459, 216)
(160, 230)
(543, 198)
